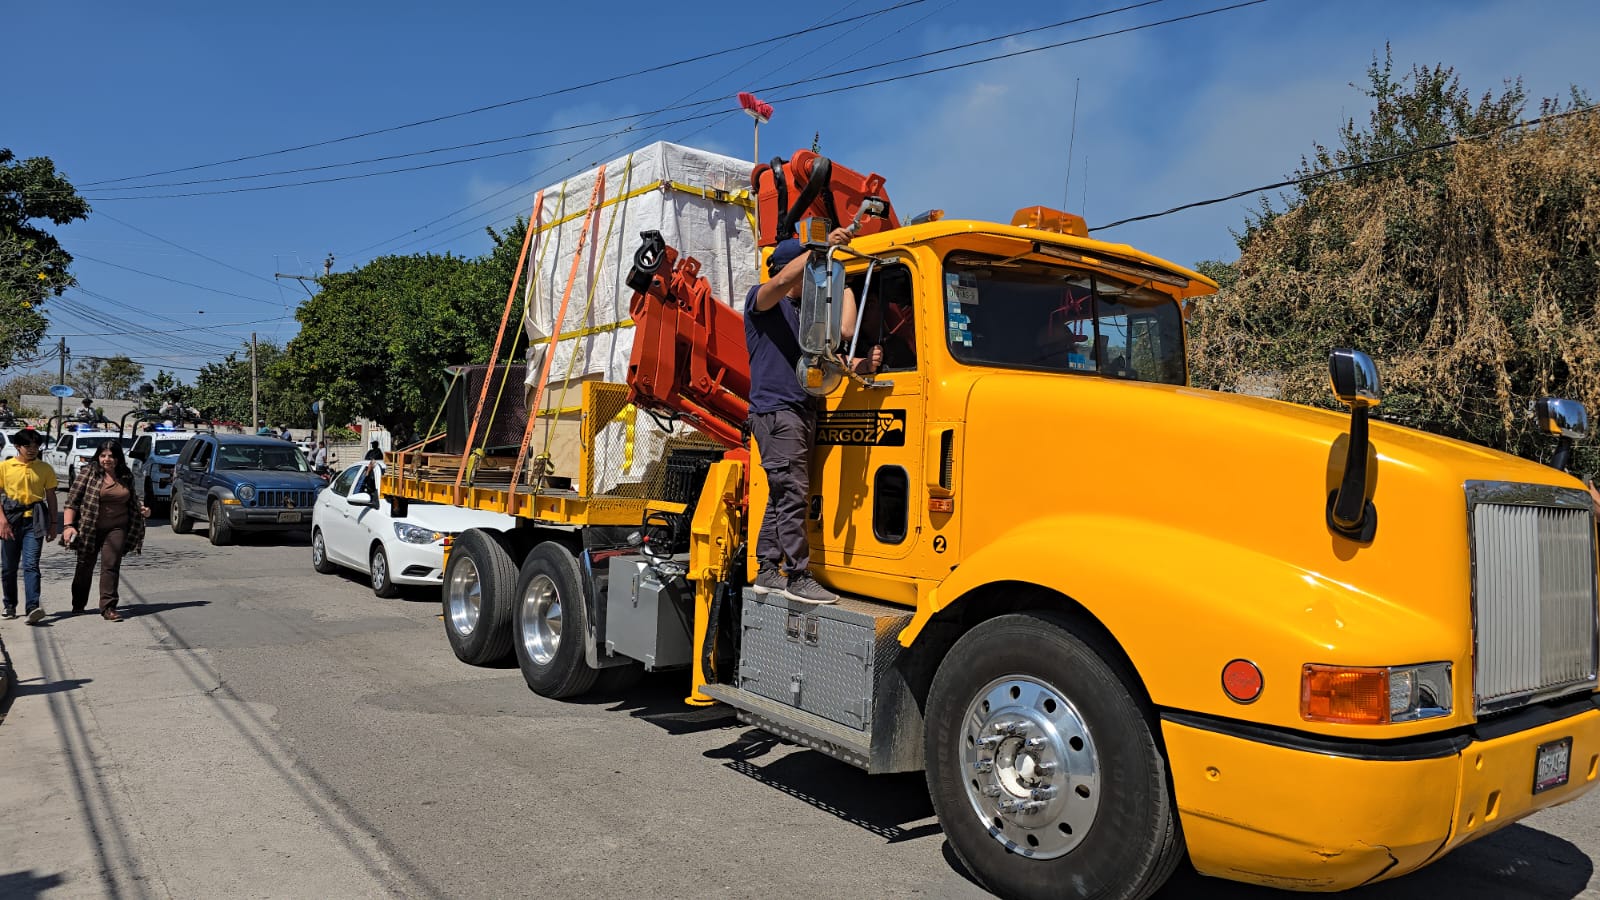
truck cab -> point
(72, 449)
(153, 460)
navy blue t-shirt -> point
(772, 338)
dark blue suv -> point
(242, 483)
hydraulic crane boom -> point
(689, 358)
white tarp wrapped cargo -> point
(701, 204)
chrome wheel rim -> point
(380, 569)
(215, 518)
(465, 597)
(1030, 768)
(318, 552)
(540, 617)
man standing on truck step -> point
(782, 421)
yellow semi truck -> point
(1116, 619)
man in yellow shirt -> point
(27, 521)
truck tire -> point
(217, 527)
(1030, 822)
(179, 518)
(382, 578)
(319, 555)
(478, 585)
(549, 623)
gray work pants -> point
(784, 438)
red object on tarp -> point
(809, 184)
(757, 109)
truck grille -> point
(1533, 592)
(281, 499)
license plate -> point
(1552, 764)
(288, 517)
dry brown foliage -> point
(1472, 281)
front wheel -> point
(220, 532)
(551, 619)
(1044, 768)
(382, 579)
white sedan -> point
(348, 529)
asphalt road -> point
(256, 730)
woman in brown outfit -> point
(103, 520)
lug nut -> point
(1022, 807)
(992, 790)
(1043, 793)
(1012, 728)
(1035, 743)
(983, 766)
(1044, 769)
(991, 740)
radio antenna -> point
(1066, 191)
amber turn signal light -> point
(1348, 695)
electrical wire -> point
(202, 287)
(1353, 167)
(186, 249)
(506, 103)
(720, 112)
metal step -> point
(837, 741)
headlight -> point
(412, 534)
(1355, 695)
(245, 492)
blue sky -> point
(1165, 115)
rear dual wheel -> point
(550, 623)
(478, 584)
(1044, 767)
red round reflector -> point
(1241, 680)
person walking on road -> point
(103, 522)
(27, 522)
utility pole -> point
(61, 351)
(255, 414)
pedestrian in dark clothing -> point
(782, 421)
(374, 453)
(104, 521)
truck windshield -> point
(262, 457)
(1023, 314)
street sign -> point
(61, 390)
(316, 406)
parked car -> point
(152, 460)
(72, 449)
(350, 529)
(242, 483)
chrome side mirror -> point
(1567, 420)
(1355, 382)
(821, 304)
(1355, 379)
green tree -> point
(33, 266)
(222, 390)
(375, 342)
(1471, 274)
(106, 377)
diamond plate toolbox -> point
(825, 660)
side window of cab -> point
(886, 317)
(200, 459)
(65, 444)
(141, 448)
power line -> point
(186, 249)
(506, 103)
(718, 113)
(175, 280)
(1353, 167)
(907, 76)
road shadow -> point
(28, 885)
(893, 807)
(51, 687)
(658, 699)
(134, 610)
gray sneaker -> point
(804, 588)
(36, 616)
(769, 581)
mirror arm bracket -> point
(1350, 513)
